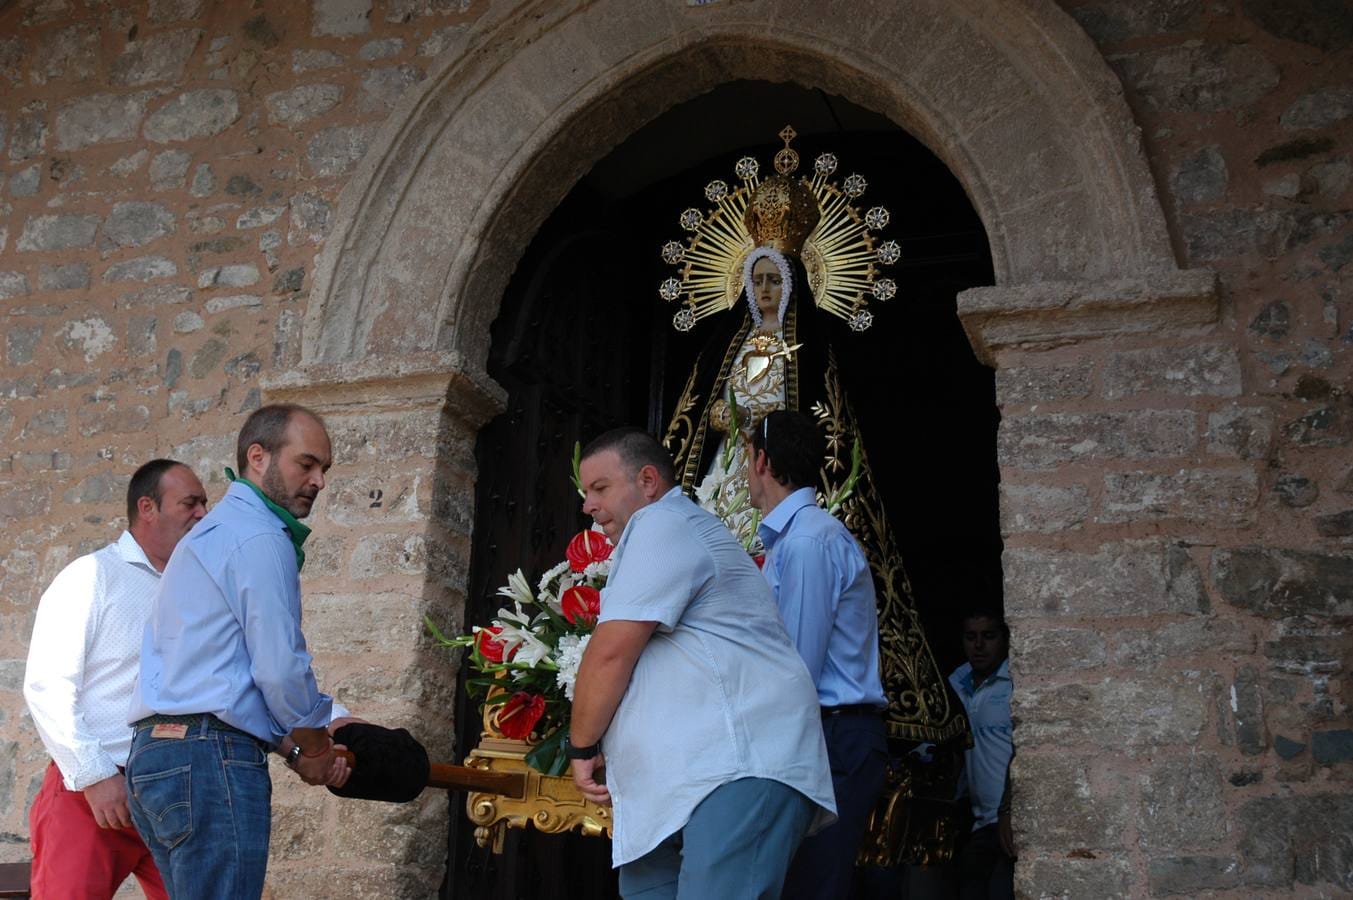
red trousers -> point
(74, 858)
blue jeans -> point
(203, 805)
(736, 846)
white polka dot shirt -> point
(84, 656)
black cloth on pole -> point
(391, 764)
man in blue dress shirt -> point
(986, 862)
(714, 758)
(225, 676)
(825, 592)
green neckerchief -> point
(295, 529)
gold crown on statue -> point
(811, 218)
(782, 213)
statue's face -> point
(766, 286)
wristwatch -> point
(292, 755)
(574, 752)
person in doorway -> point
(714, 755)
(825, 592)
(225, 674)
(82, 663)
(985, 864)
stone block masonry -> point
(1176, 486)
(1176, 570)
(161, 210)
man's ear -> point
(146, 510)
(257, 457)
(760, 462)
(648, 479)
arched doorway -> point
(583, 343)
(1011, 96)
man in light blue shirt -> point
(986, 862)
(714, 759)
(825, 592)
(225, 676)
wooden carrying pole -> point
(464, 778)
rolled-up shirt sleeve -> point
(662, 567)
(268, 599)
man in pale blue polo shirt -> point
(986, 861)
(225, 676)
(825, 591)
(714, 759)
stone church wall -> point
(1180, 571)
(1177, 491)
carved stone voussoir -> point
(1048, 314)
(381, 384)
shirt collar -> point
(672, 494)
(964, 676)
(779, 518)
(242, 491)
(132, 552)
(290, 524)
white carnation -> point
(597, 572)
(550, 576)
(571, 648)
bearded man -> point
(225, 676)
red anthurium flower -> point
(519, 715)
(581, 605)
(490, 649)
(587, 547)
(760, 560)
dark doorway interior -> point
(583, 343)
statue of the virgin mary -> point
(789, 265)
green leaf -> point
(577, 469)
(436, 632)
(548, 756)
(557, 620)
(847, 488)
(732, 445)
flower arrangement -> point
(525, 662)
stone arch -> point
(1012, 95)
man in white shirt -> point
(714, 756)
(82, 664)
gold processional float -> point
(916, 821)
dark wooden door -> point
(572, 346)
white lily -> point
(518, 589)
(519, 633)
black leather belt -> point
(852, 709)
